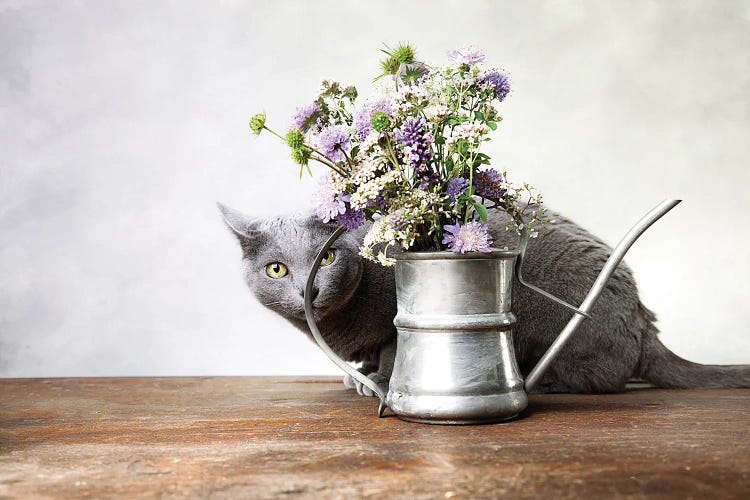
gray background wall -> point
(121, 123)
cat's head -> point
(277, 255)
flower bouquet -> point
(409, 158)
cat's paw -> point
(351, 383)
(380, 380)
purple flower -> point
(330, 205)
(429, 179)
(417, 143)
(499, 82)
(466, 55)
(489, 184)
(334, 141)
(456, 187)
(398, 220)
(471, 237)
(379, 202)
(362, 122)
(306, 116)
(350, 219)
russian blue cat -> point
(355, 303)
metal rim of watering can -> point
(444, 254)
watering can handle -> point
(354, 373)
(522, 244)
(609, 267)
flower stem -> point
(330, 165)
(274, 133)
(346, 156)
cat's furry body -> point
(357, 303)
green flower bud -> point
(404, 53)
(295, 139)
(257, 123)
(380, 121)
(301, 155)
(389, 66)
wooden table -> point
(230, 437)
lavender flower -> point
(466, 55)
(456, 187)
(417, 143)
(490, 184)
(334, 141)
(471, 237)
(429, 179)
(362, 122)
(499, 82)
(330, 205)
(379, 202)
(305, 117)
(350, 218)
(398, 220)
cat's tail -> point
(663, 368)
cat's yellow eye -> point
(328, 259)
(276, 270)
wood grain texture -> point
(262, 437)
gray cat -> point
(355, 303)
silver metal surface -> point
(617, 255)
(454, 357)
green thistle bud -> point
(301, 155)
(257, 123)
(389, 66)
(380, 121)
(404, 53)
(295, 139)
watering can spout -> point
(582, 312)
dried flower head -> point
(258, 123)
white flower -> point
(437, 112)
(408, 96)
(370, 190)
(385, 260)
(369, 145)
(380, 232)
(471, 131)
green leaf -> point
(478, 115)
(492, 125)
(481, 210)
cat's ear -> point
(243, 226)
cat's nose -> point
(314, 293)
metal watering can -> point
(455, 362)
